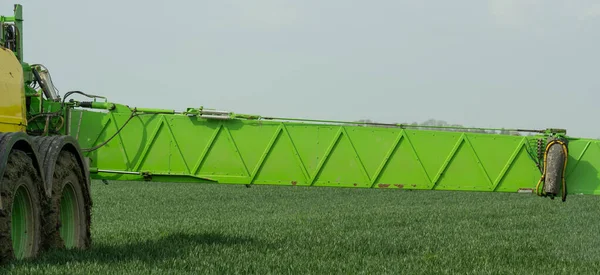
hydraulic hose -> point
(58, 113)
(133, 114)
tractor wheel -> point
(67, 219)
(20, 216)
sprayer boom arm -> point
(222, 147)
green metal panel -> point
(582, 174)
(176, 147)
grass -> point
(168, 228)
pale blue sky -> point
(514, 64)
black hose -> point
(133, 114)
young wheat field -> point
(184, 228)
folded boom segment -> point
(206, 146)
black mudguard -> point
(49, 149)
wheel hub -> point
(22, 223)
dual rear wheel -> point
(31, 219)
(20, 216)
(67, 216)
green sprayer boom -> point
(51, 145)
(222, 147)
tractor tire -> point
(67, 217)
(20, 216)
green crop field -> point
(197, 229)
